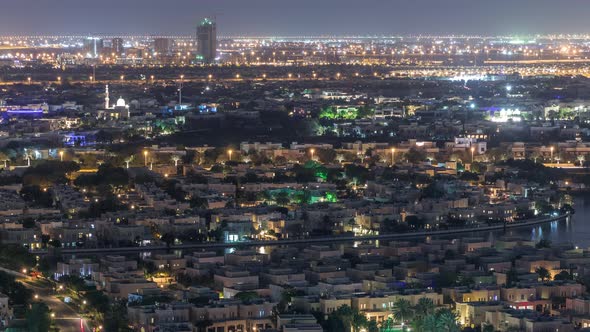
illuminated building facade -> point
(206, 41)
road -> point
(66, 318)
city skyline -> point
(265, 17)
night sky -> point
(296, 17)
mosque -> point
(119, 110)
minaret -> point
(106, 98)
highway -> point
(321, 240)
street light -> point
(29, 80)
(472, 151)
(145, 155)
(180, 90)
(229, 152)
(311, 151)
(551, 153)
(61, 155)
(392, 156)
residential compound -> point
(228, 194)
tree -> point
(428, 324)
(447, 321)
(203, 324)
(282, 198)
(402, 310)
(175, 159)
(563, 275)
(17, 293)
(511, 277)
(543, 243)
(326, 155)
(415, 156)
(372, 326)
(168, 238)
(543, 273)
(247, 296)
(115, 318)
(37, 317)
(487, 328)
(280, 160)
(346, 319)
(424, 307)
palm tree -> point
(4, 158)
(447, 321)
(128, 160)
(428, 324)
(424, 307)
(581, 158)
(535, 155)
(543, 273)
(402, 310)
(175, 159)
(27, 155)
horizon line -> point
(318, 36)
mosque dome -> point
(121, 102)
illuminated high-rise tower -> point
(117, 45)
(206, 41)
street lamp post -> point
(229, 152)
(145, 155)
(180, 90)
(472, 151)
(61, 156)
(392, 156)
(551, 154)
(312, 151)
